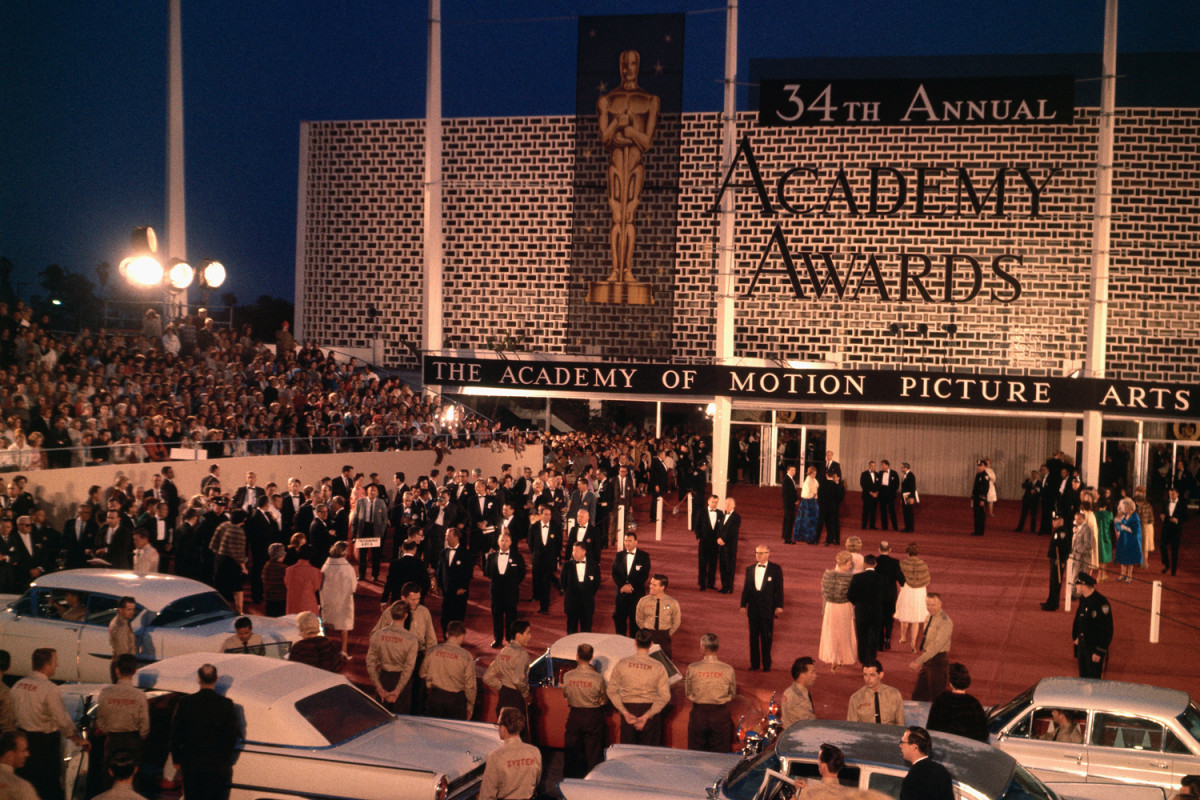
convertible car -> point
(308, 733)
(70, 612)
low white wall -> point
(59, 490)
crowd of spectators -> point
(118, 397)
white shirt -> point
(760, 572)
(629, 554)
(580, 570)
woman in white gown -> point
(910, 603)
(838, 646)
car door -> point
(33, 622)
(95, 652)
(1027, 740)
(1130, 749)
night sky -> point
(83, 94)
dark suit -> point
(204, 733)
(760, 605)
(927, 780)
(579, 597)
(120, 546)
(621, 498)
(625, 604)
(246, 496)
(483, 512)
(890, 575)
(830, 495)
(170, 493)
(505, 590)
(259, 530)
(435, 532)
(19, 563)
(887, 498)
(590, 538)
(979, 493)
(908, 497)
(454, 580)
(1049, 484)
(727, 555)
(707, 531)
(865, 593)
(320, 540)
(868, 481)
(340, 487)
(658, 485)
(1172, 533)
(186, 549)
(405, 569)
(545, 558)
(791, 496)
(77, 537)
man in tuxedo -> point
(292, 501)
(830, 495)
(79, 536)
(405, 569)
(484, 514)
(658, 483)
(25, 554)
(762, 602)
(319, 536)
(514, 524)
(622, 497)
(444, 516)
(583, 498)
(604, 504)
(344, 483)
(305, 511)
(979, 493)
(505, 568)
(926, 778)
(170, 493)
(791, 497)
(707, 526)
(727, 543)
(868, 482)
(890, 579)
(246, 497)
(204, 735)
(545, 545)
(580, 581)
(259, 529)
(454, 579)
(865, 593)
(1049, 493)
(830, 469)
(889, 486)
(908, 496)
(630, 572)
(118, 542)
(1174, 515)
(583, 533)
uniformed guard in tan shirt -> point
(514, 769)
(391, 658)
(659, 613)
(796, 703)
(933, 663)
(587, 696)
(120, 634)
(710, 684)
(639, 688)
(449, 673)
(508, 674)
(122, 721)
(876, 702)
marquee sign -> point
(1040, 100)
(941, 390)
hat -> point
(1085, 579)
(979, 463)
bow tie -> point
(504, 553)
(761, 566)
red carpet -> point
(992, 588)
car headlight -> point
(443, 788)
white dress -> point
(337, 594)
(991, 495)
(910, 605)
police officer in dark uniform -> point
(1093, 628)
(979, 493)
(1060, 548)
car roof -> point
(1133, 698)
(151, 590)
(972, 763)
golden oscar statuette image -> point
(628, 116)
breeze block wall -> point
(508, 210)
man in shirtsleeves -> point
(391, 657)
(710, 684)
(659, 613)
(508, 674)
(796, 702)
(586, 695)
(449, 673)
(640, 689)
(514, 769)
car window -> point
(797, 768)
(196, 609)
(63, 604)
(1006, 713)
(101, 608)
(1127, 733)
(1026, 787)
(23, 607)
(1190, 720)
(885, 782)
(342, 712)
(1041, 725)
(1174, 745)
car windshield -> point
(1026, 787)
(744, 780)
(1190, 720)
(342, 712)
(198, 609)
(1004, 714)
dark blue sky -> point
(83, 94)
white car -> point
(70, 612)
(308, 733)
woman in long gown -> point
(910, 603)
(1104, 526)
(805, 528)
(839, 645)
(1145, 513)
(991, 493)
(337, 593)
(1129, 538)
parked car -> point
(873, 761)
(1130, 733)
(70, 612)
(545, 683)
(310, 733)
